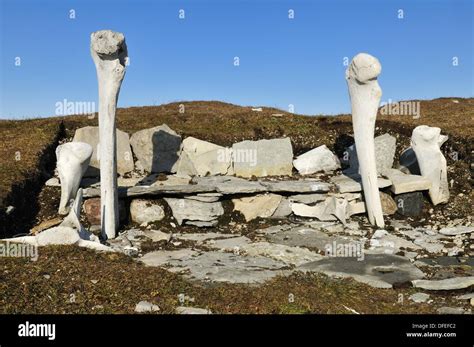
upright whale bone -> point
(109, 52)
(365, 94)
(426, 142)
(72, 161)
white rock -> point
(145, 211)
(263, 158)
(317, 159)
(263, 205)
(72, 161)
(202, 158)
(58, 236)
(365, 95)
(157, 149)
(145, 306)
(329, 210)
(403, 183)
(426, 142)
(419, 297)
(109, 53)
(90, 135)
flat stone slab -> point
(286, 254)
(385, 242)
(453, 231)
(403, 183)
(192, 310)
(376, 270)
(202, 237)
(447, 284)
(160, 258)
(227, 185)
(217, 266)
(352, 183)
(303, 236)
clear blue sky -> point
(282, 61)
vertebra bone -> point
(426, 142)
(72, 161)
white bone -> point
(365, 94)
(72, 161)
(109, 52)
(426, 142)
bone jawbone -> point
(426, 142)
(109, 53)
(72, 161)
(365, 94)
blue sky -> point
(282, 61)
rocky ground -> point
(246, 261)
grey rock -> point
(202, 158)
(283, 210)
(202, 237)
(157, 149)
(459, 230)
(217, 266)
(205, 197)
(385, 146)
(90, 135)
(157, 236)
(410, 204)
(377, 270)
(307, 198)
(160, 258)
(408, 162)
(193, 212)
(384, 242)
(234, 244)
(446, 284)
(227, 185)
(263, 158)
(304, 236)
(286, 254)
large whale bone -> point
(109, 52)
(426, 142)
(72, 161)
(365, 94)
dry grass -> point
(67, 279)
